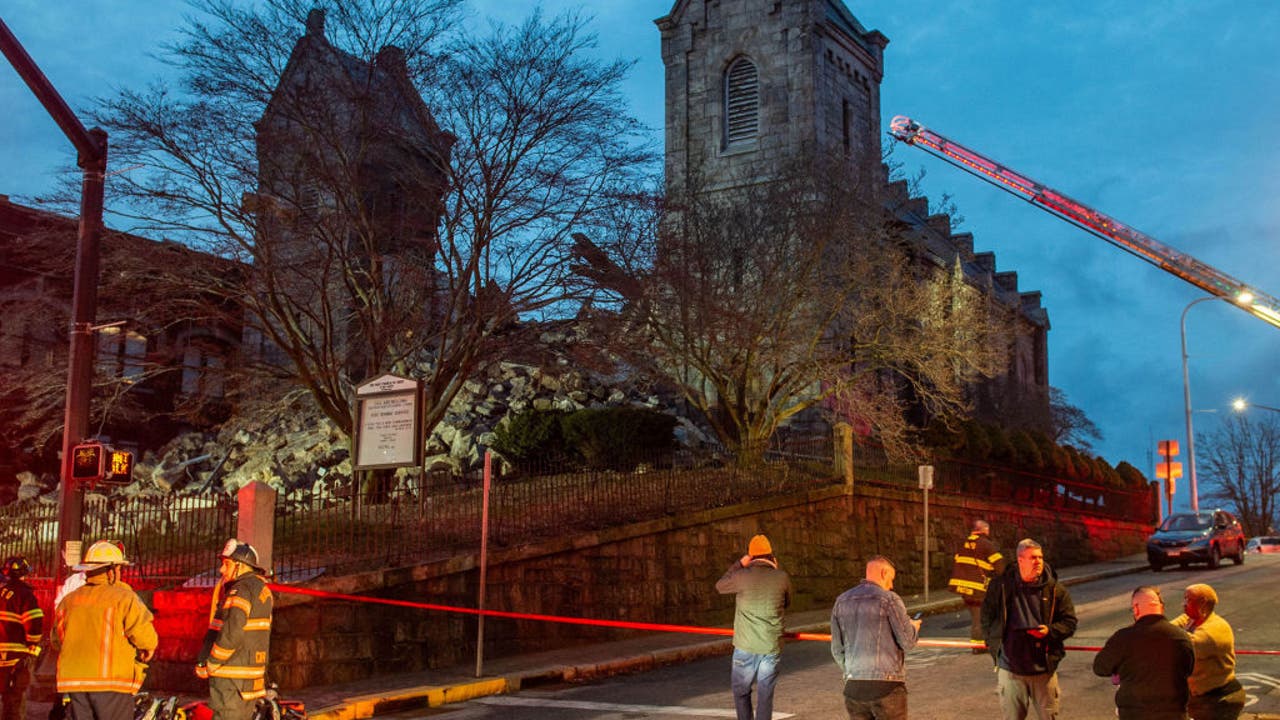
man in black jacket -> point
(1026, 617)
(1151, 660)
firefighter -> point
(976, 561)
(105, 636)
(234, 655)
(21, 628)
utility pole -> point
(91, 147)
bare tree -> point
(336, 288)
(128, 372)
(1240, 462)
(799, 295)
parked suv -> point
(1205, 537)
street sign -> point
(926, 477)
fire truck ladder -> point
(1207, 278)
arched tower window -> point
(741, 102)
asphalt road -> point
(942, 683)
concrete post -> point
(256, 523)
(844, 453)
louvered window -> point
(741, 102)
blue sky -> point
(1159, 114)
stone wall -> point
(660, 571)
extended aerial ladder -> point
(1206, 277)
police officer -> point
(976, 561)
(234, 656)
(21, 628)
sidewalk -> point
(362, 699)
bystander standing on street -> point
(1150, 660)
(21, 629)
(1026, 618)
(870, 636)
(237, 644)
(761, 593)
(975, 562)
(105, 637)
(1215, 692)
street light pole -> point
(1240, 405)
(1186, 399)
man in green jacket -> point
(762, 593)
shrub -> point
(1027, 452)
(531, 436)
(1131, 476)
(619, 438)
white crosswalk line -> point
(522, 701)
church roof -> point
(383, 81)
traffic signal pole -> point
(91, 147)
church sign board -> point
(388, 423)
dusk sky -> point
(1162, 115)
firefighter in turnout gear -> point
(976, 561)
(105, 637)
(21, 628)
(234, 656)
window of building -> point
(203, 372)
(741, 102)
(122, 353)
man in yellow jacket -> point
(234, 656)
(105, 637)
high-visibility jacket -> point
(100, 628)
(975, 562)
(21, 622)
(239, 637)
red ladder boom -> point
(1203, 276)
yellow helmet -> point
(101, 554)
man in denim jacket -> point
(870, 636)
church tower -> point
(752, 85)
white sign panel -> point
(388, 429)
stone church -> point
(753, 84)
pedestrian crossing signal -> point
(87, 462)
(121, 469)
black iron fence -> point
(399, 520)
(167, 538)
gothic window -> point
(741, 102)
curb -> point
(365, 706)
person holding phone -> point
(1026, 617)
(870, 636)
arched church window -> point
(741, 102)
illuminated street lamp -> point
(1240, 405)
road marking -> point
(511, 700)
(1259, 677)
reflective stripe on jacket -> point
(975, 562)
(100, 628)
(239, 637)
(21, 622)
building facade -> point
(755, 86)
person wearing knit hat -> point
(761, 593)
(1216, 694)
